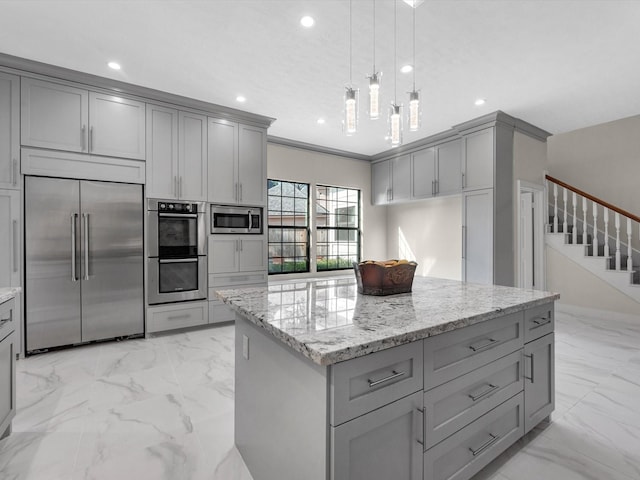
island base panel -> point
(280, 408)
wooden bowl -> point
(383, 278)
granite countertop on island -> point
(7, 293)
(327, 321)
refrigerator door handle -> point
(74, 217)
(85, 218)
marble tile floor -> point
(162, 408)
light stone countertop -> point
(7, 293)
(327, 321)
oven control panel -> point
(177, 207)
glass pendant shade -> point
(374, 96)
(350, 111)
(415, 114)
(395, 125)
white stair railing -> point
(565, 218)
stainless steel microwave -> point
(238, 220)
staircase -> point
(603, 239)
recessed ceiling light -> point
(321, 121)
(241, 98)
(406, 68)
(414, 3)
(114, 65)
(480, 101)
(307, 21)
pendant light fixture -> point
(395, 112)
(415, 114)
(374, 78)
(350, 123)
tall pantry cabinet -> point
(10, 192)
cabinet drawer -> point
(455, 353)
(452, 406)
(7, 318)
(538, 321)
(219, 312)
(363, 384)
(177, 316)
(464, 453)
(234, 280)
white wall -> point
(603, 160)
(299, 165)
(429, 232)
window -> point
(338, 226)
(288, 226)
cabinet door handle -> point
(422, 411)
(74, 217)
(493, 439)
(14, 172)
(464, 242)
(437, 182)
(484, 393)
(15, 246)
(394, 374)
(391, 194)
(531, 377)
(241, 246)
(240, 191)
(433, 187)
(483, 346)
(83, 140)
(91, 139)
(180, 185)
(463, 180)
(236, 197)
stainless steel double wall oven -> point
(177, 263)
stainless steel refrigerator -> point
(84, 261)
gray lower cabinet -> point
(385, 443)
(539, 380)
(467, 451)
(8, 350)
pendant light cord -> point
(350, 45)
(395, 52)
(374, 37)
(414, 48)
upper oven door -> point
(236, 220)
(176, 235)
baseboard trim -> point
(593, 312)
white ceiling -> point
(560, 65)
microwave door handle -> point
(250, 220)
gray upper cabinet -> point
(479, 160)
(162, 152)
(252, 166)
(436, 170)
(116, 126)
(177, 161)
(192, 156)
(9, 131)
(54, 116)
(10, 238)
(448, 181)
(63, 117)
(237, 163)
(423, 163)
(391, 181)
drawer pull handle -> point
(393, 375)
(479, 348)
(484, 393)
(485, 445)
(540, 322)
(178, 317)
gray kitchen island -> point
(434, 384)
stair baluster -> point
(555, 208)
(584, 221)
(617, 219)
(595, 230)
(629, 249)
(564, 199)
(607, 254)
(574, 231)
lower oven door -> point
(177, 279)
